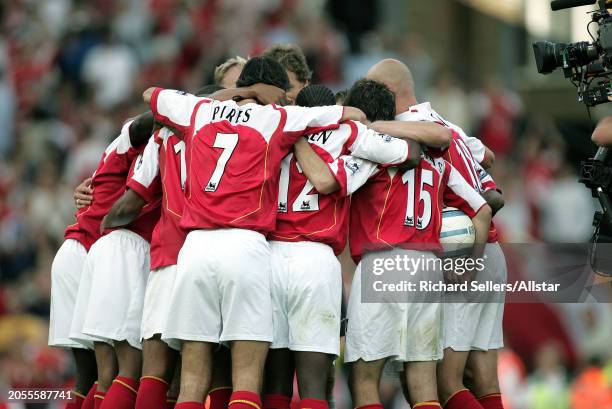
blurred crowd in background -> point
(72, 71)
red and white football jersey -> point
(108, 184)
(403, 209)
(424, 112)
(164, 159)
(148, 217)
(306, 215)
(234, 155)
(461, 154)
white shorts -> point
(478, 326)
(157, 301)
(222, 288)
(65, 276)
(111, 308)
(402, 331)
(306, 297)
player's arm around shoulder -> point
(424, 132)
(172, 108)
(315, 168)
(383, 149)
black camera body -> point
(582, 62)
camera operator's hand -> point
(602, 136)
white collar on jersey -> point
(422, 108)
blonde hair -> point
(222, 69)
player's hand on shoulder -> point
(83, 194)
(354, 114)
(268, 94)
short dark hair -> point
(292, 58)
(341, 96)
(315, 95)
(374, 98)
(207, 90)
(263, 70)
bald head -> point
(398, 78)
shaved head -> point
(395, 75)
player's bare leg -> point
(158, 360)
(221, 383)
(196, 370)
(280, 368)
(86, 370)
(124, 389)
(158, 367)
(481, 376)
(420, 378)
(364, 381)
(175, 387)
(106, 361)
(129, 360)
(248, 361)
(329, 388)
(451, 389)
(310, 370)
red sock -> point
(88, 403)
(220, 397)
(151, 393)
(189, 405)
(308, 403)
(121, 394)
(244, 400)
(430, 404)
(98, 399)
(276, 401)
(77, 403)
(372, 406)
(462, 399)
(492, 401)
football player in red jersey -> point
(233, 161)
(95, 321)
(67, 271)
(165, 157)
(310, 231)
(400, 210)
(481, 322)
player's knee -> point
(485, 384)
(362, 378)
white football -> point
(457, 234)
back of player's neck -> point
(247, 101)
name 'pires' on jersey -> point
(234, 155)
(108, 184)
(163, 160)
(306, 215)
(404, 209)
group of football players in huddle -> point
(203, 261)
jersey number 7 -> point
(227, 142)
